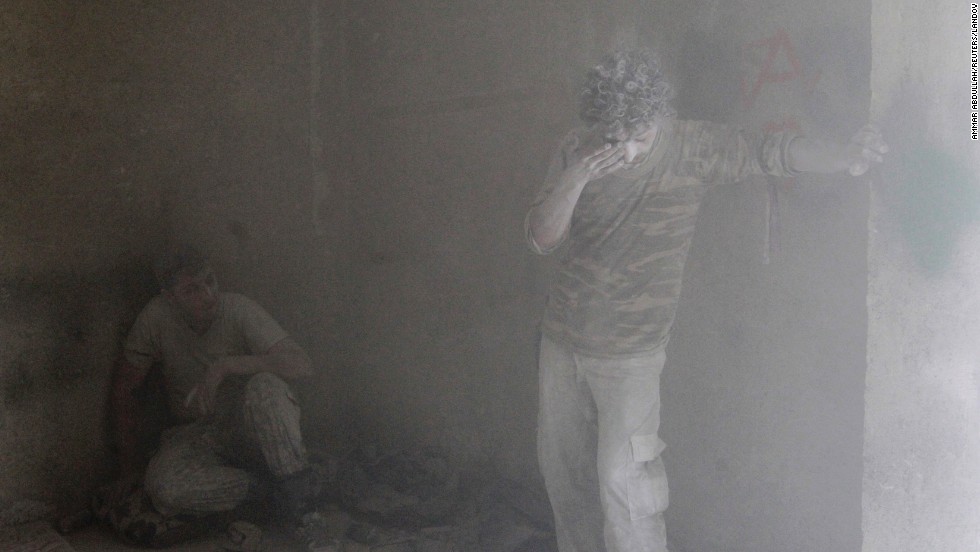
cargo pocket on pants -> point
(646, 488)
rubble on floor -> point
(417, 502)
(403, 502)
(20, 512)
(36, 536)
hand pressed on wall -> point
(866, 147)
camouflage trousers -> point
(215, 464)
(599, 451)
(209, 467)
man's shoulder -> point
(155, 316)
(696, 136)
(156, 308)
(241, 313)
(697, 126)
(239, 306)
(237, 300)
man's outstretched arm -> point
(821, 156)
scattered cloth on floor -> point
(403, 490)
(127, 510)
(23, 511)
(372, 502)
(513, 519)
(415, 501)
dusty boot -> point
(242, 536)
(299, 492)
(314, 533)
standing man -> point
(623, 192)
(226, 366)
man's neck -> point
(200, 327)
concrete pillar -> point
(921, 486)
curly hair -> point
(626, 90)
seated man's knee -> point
(166, 492)
(265, 391)
(265, 385)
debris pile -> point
(417, 502)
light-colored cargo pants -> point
(214, 465)
(599, 452)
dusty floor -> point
(496, 527)
(392, 503)
(275, 536)
(96, 539)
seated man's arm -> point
(856, 157)
(285, 359)
(127, 380)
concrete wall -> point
(459, 106)
(362, 169)
(763, 390)
(81, 198)
(922, 448)
(262, 116)
(126, 125)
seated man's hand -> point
(201, 398)
(120, 489)
(865, 148)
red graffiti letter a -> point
(774, 45)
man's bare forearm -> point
(549, 220)
(856, 156)
(819, 156)
(285, 359)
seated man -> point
(226, 365)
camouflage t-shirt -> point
(619, 281)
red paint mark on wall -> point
(774, 65)
(779, 65)
(789, 123)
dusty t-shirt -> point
(160, 334)
(619, 281)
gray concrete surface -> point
(922, 401)
(763, 390)
(362, 169)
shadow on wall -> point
(932, 196)
(48, 327)
(61, 334)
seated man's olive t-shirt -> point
(160, 335)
